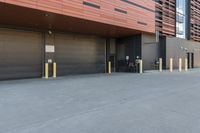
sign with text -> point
(49, 49)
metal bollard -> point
(54, 70)
(180, 64)
(186, 64)
(109, 67)
(171, 65)
(46, 70)
(141, 66)
(160, 65)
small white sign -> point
(49, 49)
(127, 57)
(50, 61)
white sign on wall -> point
(50, 61)
(49, 49)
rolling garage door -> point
(76, 54)
(20, 54)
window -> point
(181, 18)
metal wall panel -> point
(150, 51)
(128, 46)
(178, 48)
(76, 54)
(20, 54)
(136, 14)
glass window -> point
(181, 18)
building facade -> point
(165, 17)
(177, 25)
(81, 36)
(194, 20)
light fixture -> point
(186, 49)
(46, 15)
(182, 48)
(50, 32)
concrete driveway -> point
(121, 103)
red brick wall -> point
(137, 17)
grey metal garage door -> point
(20, 54)
(76, 54)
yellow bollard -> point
(171, 65)
(109, 67)
(186, 64)
(180, 64)
(141, 66)
(160, 64)
(54, 70)
(46, 70)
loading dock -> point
(20, 54)
(79, 54)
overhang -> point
(18, 16)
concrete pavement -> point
(121, 103)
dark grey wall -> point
(150, 51)
(128, 46)
(143, 45)
(177, 48)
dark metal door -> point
(189, 60)
(76, 54)
(192, 60)
(20, 54)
